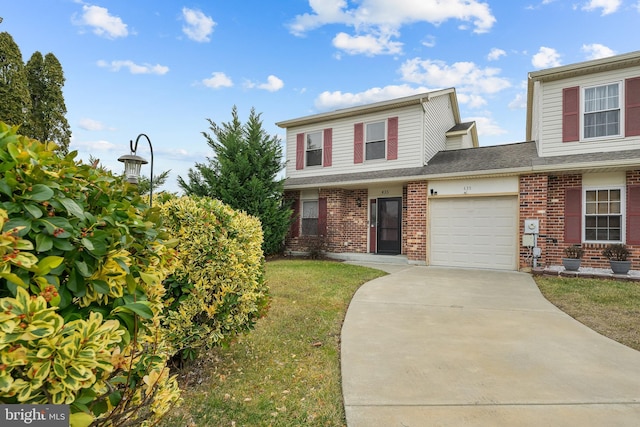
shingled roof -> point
(509, 159)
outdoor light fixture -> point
(359, 202)
(133, 163)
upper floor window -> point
(375, 141)
(601, 111)
(314, 148)
(603, 215)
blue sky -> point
(163, 67)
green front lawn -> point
(286, 372)
(610, 307)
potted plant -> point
(617, 254)
(572, 254)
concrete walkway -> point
(429, 346)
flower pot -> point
(620, 267)
(571, 264)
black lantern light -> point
(133, 163)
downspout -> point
(424, 143)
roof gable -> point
(375, 107)
(575, 70)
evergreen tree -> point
(243, 174)
(144, 184)
(46, 120)
(14, 91)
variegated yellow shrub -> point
(218, 289)
(82, 261)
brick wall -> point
(532, 189)
(347, 223)
(416, 221)
(533, 205)
(555, 207)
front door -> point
(389, 225)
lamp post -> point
(133, 163)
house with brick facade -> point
(407, 177)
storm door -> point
(389, 225)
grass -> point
(610, 307)
(286, 372)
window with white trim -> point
(314, 148)
(601, 109)
(375, 140)
(603, 214)
(310, 213)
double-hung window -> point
(601, 111)
(314, 148)
(603, 215)
(310, 213)
(375, 141)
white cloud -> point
(325, 12)
(486, 126)
(273, 84)
(337, 99)
(429, 41)
(495, 54)
(545, 58)
(199, 26)
(597, 51)
(368, 44)
(90, 124)
(470, 80)
(607, 6)
(217, 80)
(93, 146)
(393, 14)
(471, 100)
(519, 102)
(103, 23)
(133, 67)
(376, 22)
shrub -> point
(574, 252)
(218, 289)
(82, 262)
(616, 252)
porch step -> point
(373, 258)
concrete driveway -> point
(429, 346)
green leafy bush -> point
(82, 261)
(218, 289)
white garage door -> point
(476, 232)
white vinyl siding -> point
(547, 116)
(474, 232)
(409, 143)
(437, 121)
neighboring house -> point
(407, 177)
